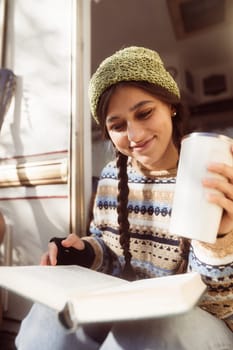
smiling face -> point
(140, 126)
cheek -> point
(119, 140)
(166, 125)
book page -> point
(150, 298)
(53, 285)
(87, 296)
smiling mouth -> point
(141, 146)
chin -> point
(146, 163)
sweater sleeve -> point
(215, 263)
(106, 260)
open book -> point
(82, 296)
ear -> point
(173, 111)
(174, 114)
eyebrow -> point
(139, 104)
(110, 119)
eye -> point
(118, 127)
(144, 114)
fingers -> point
(222, 169)
(50, 257)
(44, 259)
(223, 183)
(223, 202)
(73, 241)
(220, 185)
(222, 194)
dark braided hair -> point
(179, 128)
(122, 210)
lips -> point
(141, 146)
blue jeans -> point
(196, 329)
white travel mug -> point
(193, 216)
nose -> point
(135, 132)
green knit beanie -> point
(129, 64)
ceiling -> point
(119, 23)
(153, 24)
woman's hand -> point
(50, 257)
(225, 187)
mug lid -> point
(208, 134)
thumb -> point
(73, 241)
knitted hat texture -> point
(129, 64)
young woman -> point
(137, 104)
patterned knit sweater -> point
(154, 251)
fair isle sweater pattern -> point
(154, 251)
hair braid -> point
(122, 210)
(184, 247)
